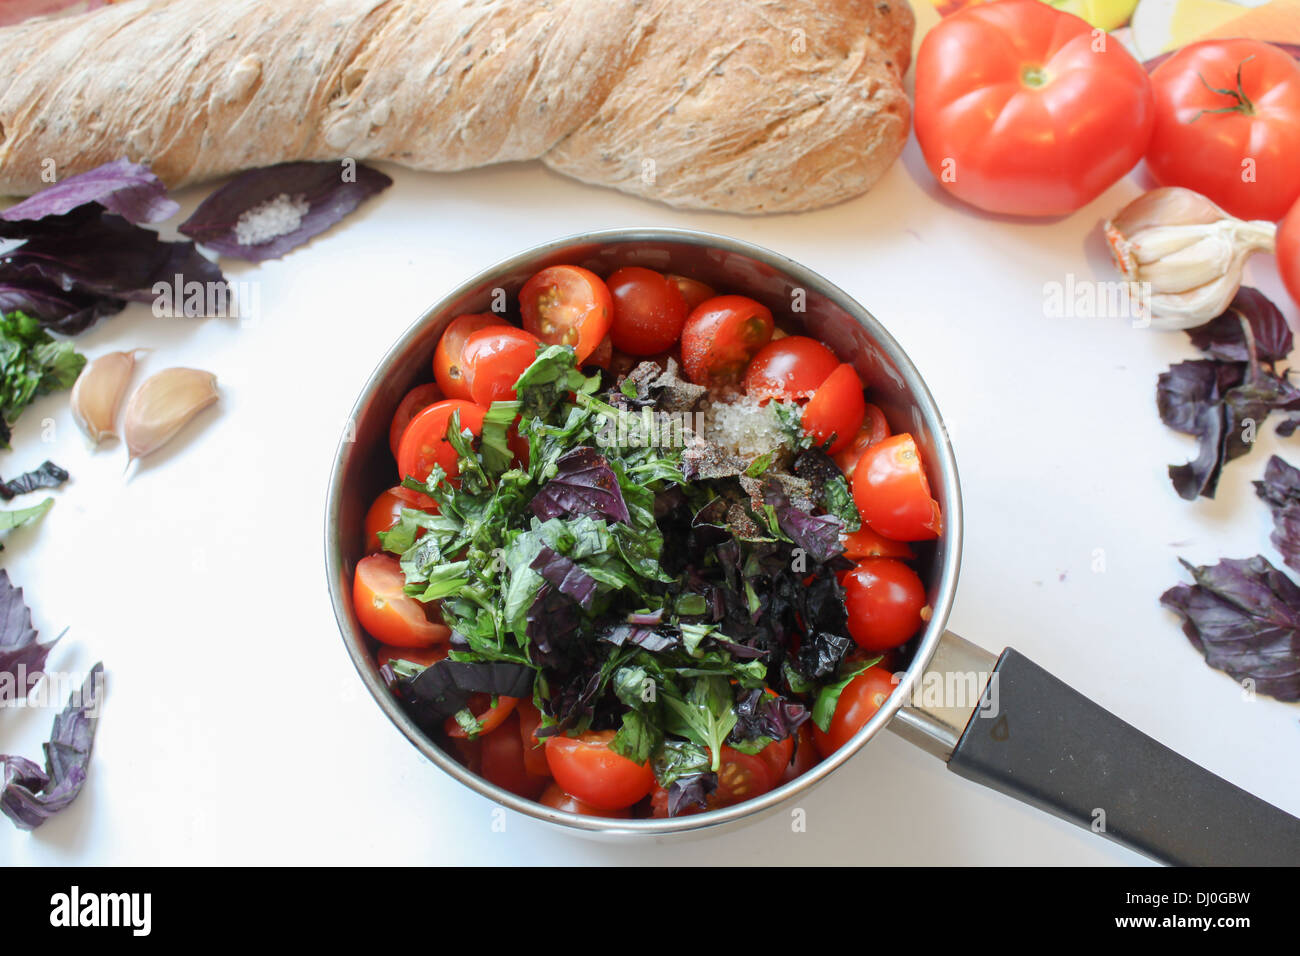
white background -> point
(236, 730)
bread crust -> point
(740, 105)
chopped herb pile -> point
(630, 579)
(32, 363)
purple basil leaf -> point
(584, 484)
(818, 535)
(1244, 616)
(126, 188)
(1280, 489)
(68, 313)
(441, 689)
(263, 213)
(30, 795)
(551, 624)
(48, 475)
(1182, 391)
(1223, 337)
(101, 255)
(565, 576)
(645, 637)
(691, 791)
(820, 655)
(22, 657)
(760, 714)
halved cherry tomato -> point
(836, 409)
(721, 335)
(858, 703)
(554, 797)
(386, 611)
(649, 310)
(567, 305)
(586, 768)
(865, 543)
(490, 717)
(530, 718)
(448, 368)
(414, 402)
(503, 761)
(424, 443)
(886, 603)
(789, 369)
(493, 359)
(892, 492)
(805, 754)
(874, 429)
(424, 656)
(693, 290)
(744, 776)
(387, 511)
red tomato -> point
(493, 359)
(836, 409)
(1288, 252)
(503, 761)
(586, 768)
(424, 656)
(415, 401)
(649, 311)
(424, 443)
(386, 611)
(741, 777)
(530, 718)
(1021, 109)
(789, 368)
(692, 290)
(1228, 125)
(489, 717)
(874, 429)
(554, 797)
(865, 543)
(892, 492)
(448, 368)
(805, 754)
(858, 703)
(721, 335)
(776, 757)
(387, 511)
(886, 603)
(567, 305)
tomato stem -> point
(1033, 76)
(1240, 101)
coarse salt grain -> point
(744, 426)
(271, 219)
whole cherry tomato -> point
(586, 768)
(858, 703)
(412, 403)
(424, 443)
(836, 410)
(386, 511)
(1288, 252)
(448, 367)
(886, 603)
(493, 360)
(721, 335)
(649, 311)
(1026, 110)
(789, 369)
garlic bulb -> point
(1186, 254)
(98, 392)
(164, 403)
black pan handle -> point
(1037, 739)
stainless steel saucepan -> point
(996, 719)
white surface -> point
(236, 730)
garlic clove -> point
(162, 405)
(97, 393)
